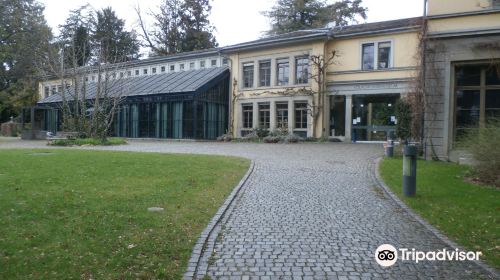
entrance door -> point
(373, 117)
(337, 116)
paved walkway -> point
(310, 211)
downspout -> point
(423, 67)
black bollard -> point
(409, 170)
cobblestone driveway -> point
(312, 211)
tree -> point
(292, 15)
(23, 31)
(403, 115)
(179, 26)
(74, 38)
(110, 38)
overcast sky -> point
(236, 21)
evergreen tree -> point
(292, 15)
(179, 26)
(111, 40)
(74, 38)
(23, 39)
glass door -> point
(373, 117)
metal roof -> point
(377, 27)
(168, 83)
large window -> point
(283, 71)
(265, 73)
(264, 115)
(376, 56)
(301, 115)
(281, 115)
(477, 93)
(47, 92)
(247, 116)
(368, 56)
(302, 70)
(248, 75)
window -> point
(54, 88)
(191, 65)
(129, 73)
(224, 61)
(384, 55)
(162, 69)
(247, 110)
(477, 97)
(495, 3)
(59, 88)
(145, 71)
(114, 75)
(301, 115)
(86, 79)
(282, 115)
(202, 64)
(137, 72)
(153, 70)
(264, 115)
(172, 68)
(93, 78)
(379, 60)
(301, 70)
(248, 75)
(213, 62)
(47, 92)
(265, 73)
(368, 57)
(283, 71)
(122, 74)
(181, 66)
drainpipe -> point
(424, 47)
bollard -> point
(389, 148)
(409, 170)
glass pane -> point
(467, 110)
(493, 76)
(468, 75)
(265, 73)
(384, 53)
(368, 56)
(492, 105)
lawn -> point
(467, 213)
(76, 214)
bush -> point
(403, 115)
(272, 139)
(87, 141)
(251, 137)
(292, 138)
(225, 138)
(483, 145)
(261, 132)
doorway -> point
(373, 117)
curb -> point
(489, 270)
(210, 233)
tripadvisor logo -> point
(386, 255)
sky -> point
(235, 21)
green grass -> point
(467, 213)
(71, 214)
(88, 141)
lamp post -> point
(409, 170)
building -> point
(273, 84)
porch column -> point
(348, 118)
(272, 115)
(291, 116)
(255, 114)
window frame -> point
(376, 54)
(172, 68)
(264, 120)
(282, 119)
(202, 63)
(46, 91)
(303, 115)
(137, 72)
(281, 61)
(153, 70)
(192, 65)
(267, 74)
(297, 58)
(213, 63)
(145, 71)
(247, 115)
(250, 65)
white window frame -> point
(375, 54)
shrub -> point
(87, 141)
(311, 139)
(251, 137)
(272, 139)
(292, 138)
(483, 145)
(225, 138)
(261, 132)
(403, 115)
